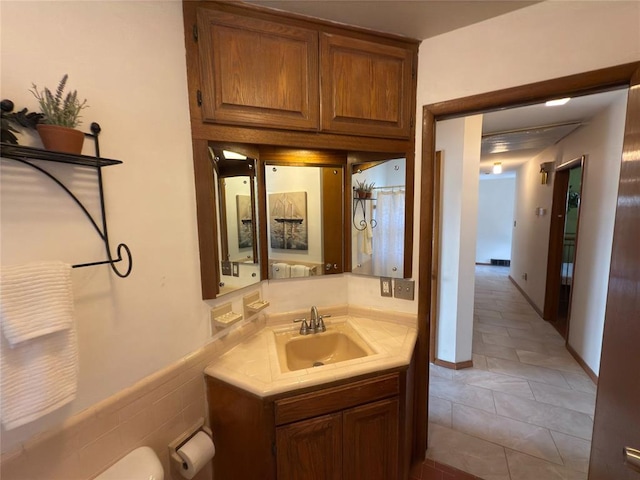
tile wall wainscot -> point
(152, 412)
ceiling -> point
(417, 19)
(536, 127)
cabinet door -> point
(366, 87)
(257, 72)
(370, 442)
(310, 449)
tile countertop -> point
(253, 364)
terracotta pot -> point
(361, 194)
(61, 139)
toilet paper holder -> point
(184, 438)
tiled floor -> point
(525, 409)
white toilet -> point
(140, 464)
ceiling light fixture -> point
(497, 168)
(558, 102)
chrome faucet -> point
(315, 325)
(313, 321)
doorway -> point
(563, 239)
(574, 85)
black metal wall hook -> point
(26, 155)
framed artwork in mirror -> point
(288, 221)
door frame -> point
(555, 250)
(571, 86)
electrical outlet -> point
(404, 289)
(236, 269)
(524, 276)
(385, 287)
(226, 268)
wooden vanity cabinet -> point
(257, 72)
(258, 68)
(366, 87)
(352, 430)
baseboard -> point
(582, 363)
(453, 366)
(526, 297)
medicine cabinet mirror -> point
(381, 209)
(235, 184)
(303, 212)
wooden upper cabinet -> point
(257, 72)
(366, 87)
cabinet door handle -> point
(632, 458)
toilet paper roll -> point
(195, 454)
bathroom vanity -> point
(345, 420)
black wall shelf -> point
(360, 202)
(27, 156)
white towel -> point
(35, 299)
(37, 376)
(281, 270)
(299, 271)
(367, 243)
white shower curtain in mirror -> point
(388, 236)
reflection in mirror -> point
(294, 226)
(304, 207)
(235, 184)
(378, 218)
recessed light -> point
(558, 102)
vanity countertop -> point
(253, 364)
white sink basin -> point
(338, 344)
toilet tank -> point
(140, 464)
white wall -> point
(459, 140)
(530, 245)
(496, 203)
(602, 142)
(128, 60)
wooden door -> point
(310, 449)
(366, 87)
(617, 418)
(257, 72)
(370, 448)
(561, 271)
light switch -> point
(403, 289)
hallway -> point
(525, 409)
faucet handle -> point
(321, 326)
(304, 328)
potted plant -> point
(364, 189)
(11, 120)
(61, 115)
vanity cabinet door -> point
(366, 87)
(310, 449)
(257, 72)
(370, 441)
